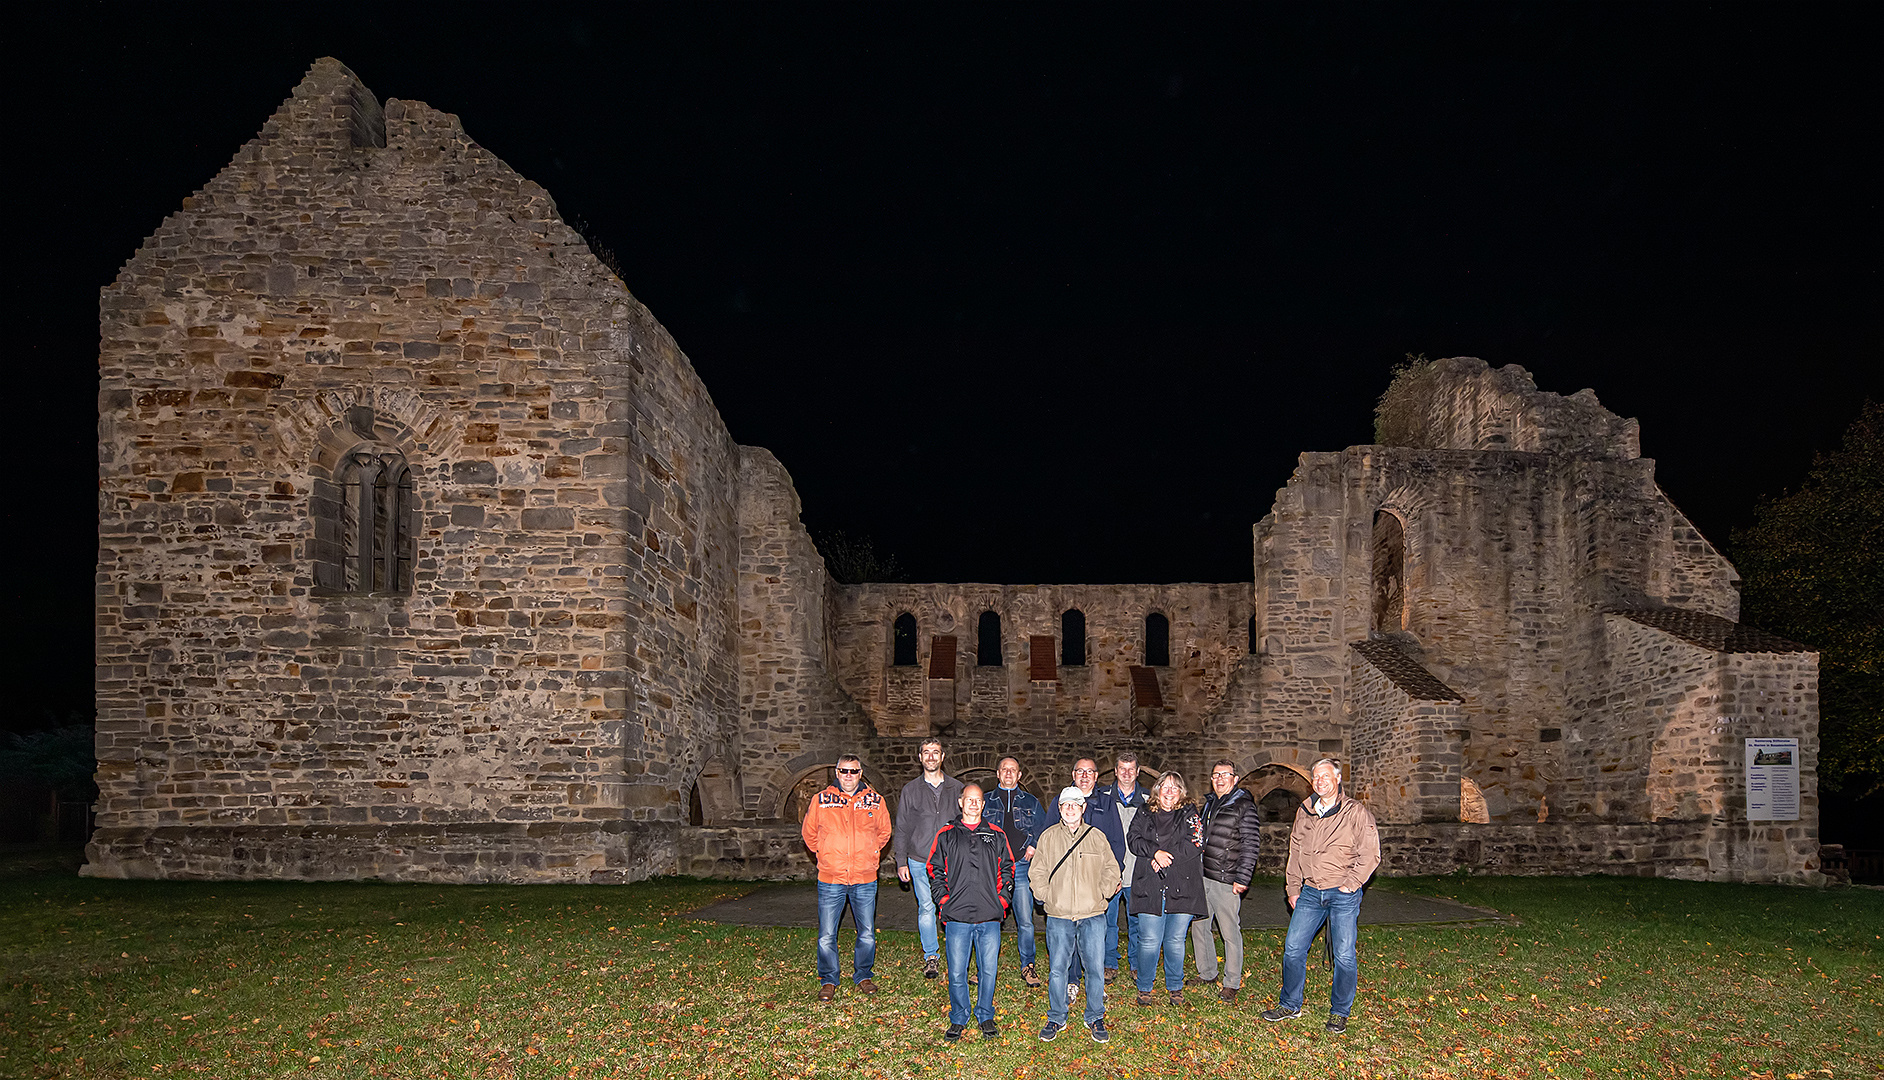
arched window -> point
(1389, 572)
(1073, 638)
(363, 536)
(1157, 640)
(1252, 635)
(988, 640)
(904, 640)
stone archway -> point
(1278, 789)
(806, 785)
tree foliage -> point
(63, 757)
(1812, 569)
(1405, 407)
(854, 560)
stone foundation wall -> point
(508, 853)
(1691, 850)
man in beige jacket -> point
(1074, 875)
(1333, 849)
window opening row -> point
(1072, 639)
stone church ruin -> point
(424, 554)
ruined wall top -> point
(1462, 403)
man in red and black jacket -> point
(971, 876)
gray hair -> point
(1331, 763)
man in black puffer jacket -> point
(1232, 840)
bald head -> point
(971, 804)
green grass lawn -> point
(1602, 976)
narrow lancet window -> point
(1157, 640)
(1073, 638)
(904, 642)
(988, 640)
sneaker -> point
(1111, 973)
(953, 1034)
(1197, 980)
(1227, 995)
(868, 986)
(1280, 1013)
(1145, 998)
(1073, 987)
(1336, 1024)
(989, 1030)
(827, 992)
(1099, 1032)
(1028, 976)
(1177, 998)
(1051, 1031)
(929, 968)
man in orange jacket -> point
(846, 827)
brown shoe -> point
(827, 992)
(869, 986)
(1028, 976)
(1227, 995)
(1177, 998)
(1111, 973)
(1145, 998)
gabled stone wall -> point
(564, 658)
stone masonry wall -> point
(1655, 693)
(1406, 752)
(1466, 404)
(1208, 638)
(793, 715)
(565, 658)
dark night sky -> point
(1034, 293)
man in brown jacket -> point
(1333, 849)
(846, 827)
(1075, 876)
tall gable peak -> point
(329, 121)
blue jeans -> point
(1088, 937)
(863, 911)
(1167, 931)
(984, 939)
(1118, 907)
(1024, 912)
(1342, 912)
(925, 907)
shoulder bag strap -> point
(1069, 853)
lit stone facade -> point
(425, 555)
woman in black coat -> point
(1167, 882)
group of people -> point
(1175, 869)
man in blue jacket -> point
(971, 876)
(1111, 809)
(1021, 817)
